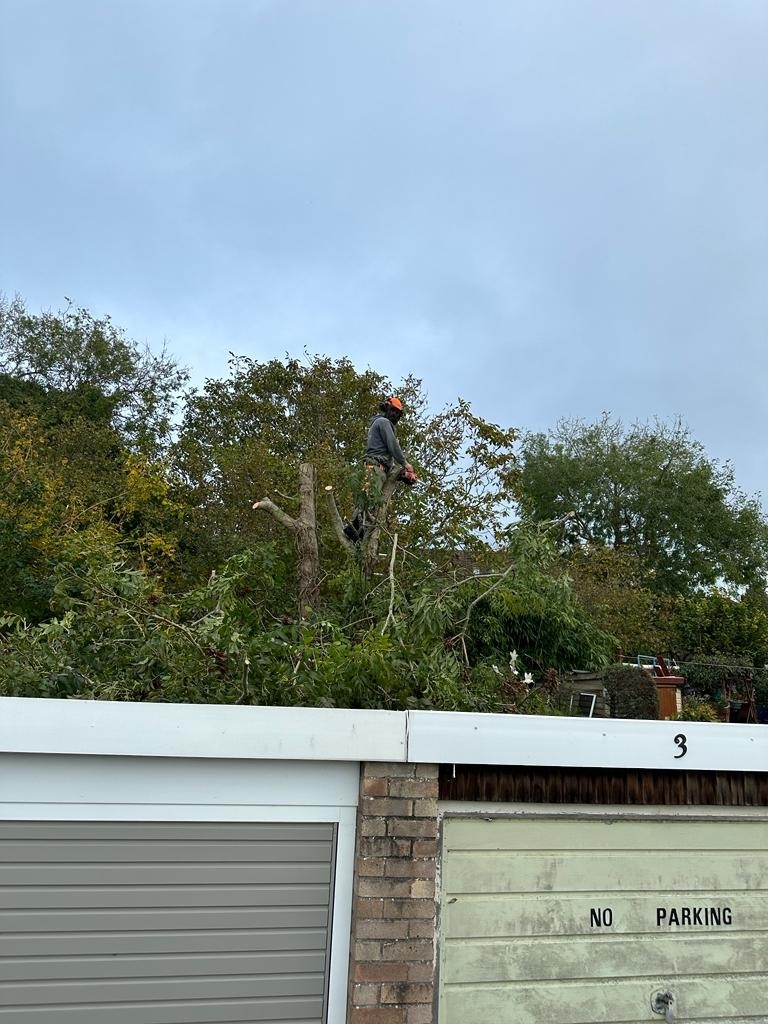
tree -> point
(74, 479)
(245, 437)
(166, 581)
(613, 588)
(71, 364)
(649, 490)
(713, 624)
(436, 642)
(304, 528)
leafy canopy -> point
(649, 490)
(70, 364)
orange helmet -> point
(396, 403)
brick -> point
(425, 848)
(425, 789)
(424, 971)
(413, 828)
(377, 1015)
(387, 805)
(366, 995)
(427, 771)
(392, 769)
(423, 889)
(378, 929)
(409, 908)
(421, 928)
(406, 867)
(367, 950)
(373, 826)
(406, 951)
(367, 907)
(374, 786)
(420, 1014)
(405, 993)
(390, 971)
(385, 846)
(384, 887)
(370, 866)
(425, 808)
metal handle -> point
(661, 1003)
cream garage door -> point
(576, 922)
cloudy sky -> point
(549, 207)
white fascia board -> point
(30, 725)
(536, 740)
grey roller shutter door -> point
(156, 923)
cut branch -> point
(267, 505)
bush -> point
(631, 692)
(696, 709)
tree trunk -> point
(369, 545)
(304, 528)
(373, 532)
(306, 542)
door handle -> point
(661, 1003)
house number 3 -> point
(681, 741)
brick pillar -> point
(392, 968)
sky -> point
(551, 208)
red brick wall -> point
(392, 968)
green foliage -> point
(66, 482)
(243, 439)
(703, 625)
(136, 569)
(468, 476)
(648, 489)
(83, 411)
(718, 677)
(631, 692)
(116, 635)
(696, 709)
(548, 626)
(612, 588)
(534, 612)
(70, 364)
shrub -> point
(696, 709)
(631, 692)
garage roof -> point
(30, 725)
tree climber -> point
(382, 453)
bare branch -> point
(465, 623)
(391, 613)
(338, 522)
(267, 505)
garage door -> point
(578, 922)
(154, 923)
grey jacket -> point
(383, 447)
